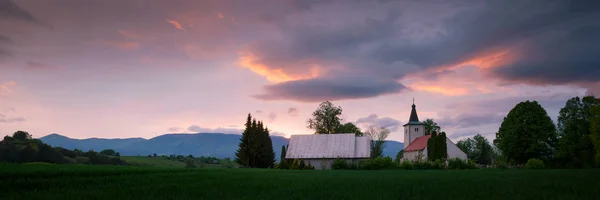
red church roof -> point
(418, 144)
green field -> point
(155, 162)
(113, 182)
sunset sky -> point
(142, 68)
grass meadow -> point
(45, 181)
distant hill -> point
(200, 144)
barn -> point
(321, 149)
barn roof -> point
(345, 145)
(418, 144)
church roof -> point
(316, 146)
(418, 144)
(414, 118)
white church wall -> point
(414, 155)
(454, 151)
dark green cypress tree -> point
(242, 155)
(260, 146)
(253, 143)
(431, 147)
(282, 162)
(269, 152)
(442, 147)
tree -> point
(377, 136)
(282, 162)
(477, 149)
(255, 148)
(595, 131)
(21, 135)
(576, 148)
(109, 152)
(242, 155)
(526, 132)
(349, 128)
(436, 147)
(399, 156)
(325, 119)
(431, 126)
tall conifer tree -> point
(242, 155)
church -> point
(415, 140)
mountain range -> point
(218, 145)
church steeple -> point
(414, 128)
(413, 114)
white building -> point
(321, 149)
(415, 140)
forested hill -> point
(200, 144)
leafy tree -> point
(325, 120)
(595, 131)
(109, 152)
(526, 132)
(399, 156)
(349, 128)
(21, 135)
(576, 148)
(377, 136)
(431, 126)
(477, 149)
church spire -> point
(413, 113)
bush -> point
(501, 164)
(339, 164)
(295, 164)
(439, 164)
(457, 163)
(82, 160)
(406, 165)
(308, 167)
(377, 163)
(302, 165)
(535, 163)
(190, 163)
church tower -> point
(414, 128)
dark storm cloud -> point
(552, 42)
(10, 10)
(319, 89)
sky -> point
(143, 68)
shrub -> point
(535, 163)
(339, 164)
(377, 163)
(457, 163)
(406, 165)
(302, 165)
(190, 163)
(295, 164)
(82, 160)
(308, 167)
(439, 164)
(501, 164)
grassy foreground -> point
(112, 182)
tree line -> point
(22, 148)
(527, 133)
